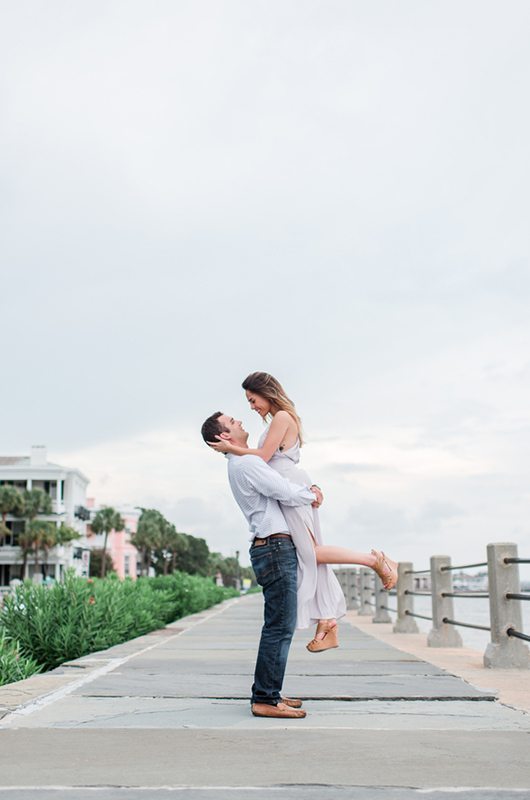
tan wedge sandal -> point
(386, 571)
(329, 640)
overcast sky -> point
(335, 192)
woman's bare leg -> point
(385, 567)
(329, 554)
(324, 625)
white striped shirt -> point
(257, 488)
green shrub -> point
(187, 594)
(79, 616)
(13, 665)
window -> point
(15, 527)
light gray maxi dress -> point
(319, 593)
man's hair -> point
(212, 428)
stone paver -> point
(167, 715)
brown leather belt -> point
(260, 542)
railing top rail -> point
(465, 624)
(421, 616)
(448, 567)
(518, 634)
(477, 594)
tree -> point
(148, 536)
(65, 534)
(105, 521)
(11, 502)
(230, 569)
(61, 535)
(171, 547)
(160, 544)
(96, 557)
(167, 535)
(196, 559)
(25, 542)
(179, 548)
(34, 502)
(41, 535)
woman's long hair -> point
(268, 387)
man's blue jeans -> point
(275, 567)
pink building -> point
(124, 554)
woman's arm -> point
(278, 428)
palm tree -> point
(11, 502)
(42, 535)
(25, 542)
(60, 535)
(148, 536)
(65, 534)
(35, 502)
(172, 545)
(105, 521)
(179, 547)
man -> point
(257, 488)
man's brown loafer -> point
(281, 711)
(291, 703)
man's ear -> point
(224, 435)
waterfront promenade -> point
(167, 716)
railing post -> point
(355, 589)
(503, 650)
(381, 596)
(366, 592)
(405, 602)
(346, 578)
(340, 574)
(442, 634)
(350, 589)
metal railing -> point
(506, 647)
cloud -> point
(290, 187)
(345, 468)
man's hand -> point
(318, 495)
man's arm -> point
(270, 483)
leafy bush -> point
(13, 665)
(187, 594)
(79, 616)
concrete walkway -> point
(167, 716)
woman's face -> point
(258, 403)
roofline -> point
(49, 467)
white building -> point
(67, 490)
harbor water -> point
(470, 610)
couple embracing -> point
(289, 559)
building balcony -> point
(58, 507)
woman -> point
(320, 598)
